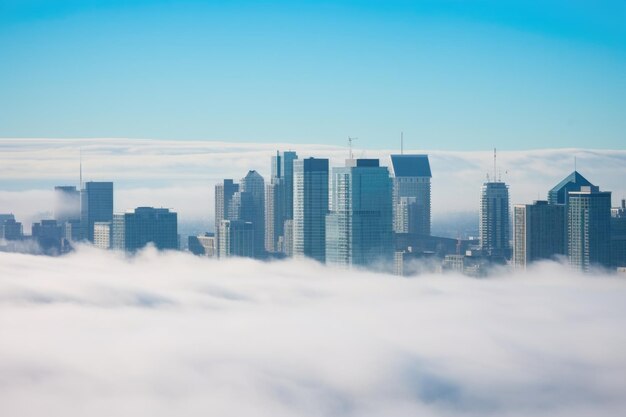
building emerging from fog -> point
(494, 219)
(135, 229)
(279, 200)
(359, 226)
(538, 232)
(310, 207)
(411, 194)
(96, 206)
(573, 182)
(589, 228)
(223, 197)
(236, 238)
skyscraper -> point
(237, 238)
(223, 196)
(96, 206)
(66, 203)
(135, 229)
(310, 206)
(494, 219)
(411, 194)
(279, 199)
(559, 194)
(538, 232)
(254, 185)
(359, 225)
(102, 234)
(589, 228)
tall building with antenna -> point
(411, 194)
(494, 217)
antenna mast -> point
(80, 167)
(401, 143)
(350, 140)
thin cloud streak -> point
(172, 334)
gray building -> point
(359, 226)
(589, 228)
(538, 232)
(310, 207)
(203, 245)
(411, 194)
(9, 228)
(223, 197)
(103, 235)
(254, 185)
(274, 214)
(96, 206)
(236, 238)
(494, 220)
(135, 229)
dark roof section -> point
(410, 166)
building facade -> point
(411, 194)
(253, 184)
(494, 220)
(134, 230)
(96, 202)
(236, 239)
(310, 207)
(538, 232)
(223, 197)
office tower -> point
(9, 228)
(274, 214)
(589, 228)
(288, 238)
(359, 226)
(236, 238)
(618, 236)
(279, 199)
(49, 236)
(573, 182)
(102, 234)
(494, 219)
(223, 197)
(254, 185)
(310, 206)
(66, 203)
(538, 232)
(411, 194)
(135, 229)
(118, 232)
(96, 206)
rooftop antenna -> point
(350, 140)
(574, 163)
(80, 167)
(401, 143)
(494, 164)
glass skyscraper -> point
(411, 194)
(279, 200)
(538, 232)
(96, 205)
(359, 225)
(135, 229)
(254, 185)
(494, 219)
(310, 207)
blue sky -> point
(450, 74)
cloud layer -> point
(170, 334)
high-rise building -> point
(135, 229)
(589, 228)
(494, 219)
(9, 228)
(49, 236)
(411, 194)
(310, 207)
(102, 234)
(66, 203)
(359, 226)
(287, 241)
(279, 199)
(538, 232)
(96, 206)
(204, 245)
(618, 236)
(254, 185)
(223, 197)
(573, 182)
(236, 238)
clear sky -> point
(450, 74)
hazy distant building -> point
(49, 236)
(96, 206)
(223, 197)
(288, 238)
(203, 245)
(618, 235)
(538, 232)
(66, 203)
(102, 234)
(279, 200)
(236, 238)
(359, 226)
(494, 220)
(310, 207)
(135, 229)
(589, 228)
(411, 194)
(254, 185)
(9, 228)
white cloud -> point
(170, 334)
(181, 174)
